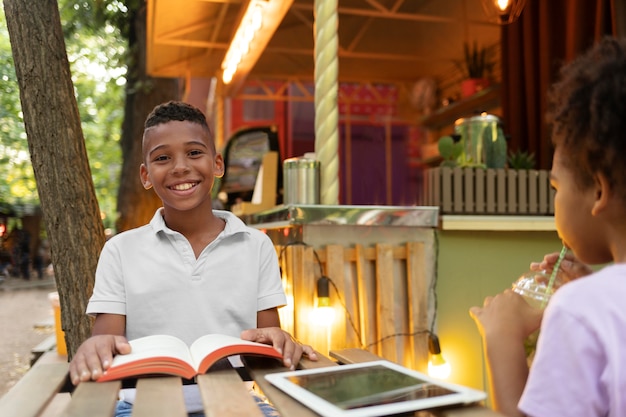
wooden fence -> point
(381, 295)
(489, 191)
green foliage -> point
(476, 63)
(450, 150)
(96, 50)
(521, 160)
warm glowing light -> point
(503, 4)
(438, 367)
(250, 25)
(322, 316)
(503, 11)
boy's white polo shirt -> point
(151, 275)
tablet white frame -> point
(462, 395)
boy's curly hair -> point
(177, 111)
(587, 110)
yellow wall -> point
(471, 266)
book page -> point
(208, 349)
(154, 346)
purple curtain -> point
(547, 34)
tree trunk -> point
(135, 205)
(59, 158)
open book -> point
(164, 354)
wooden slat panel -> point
(385, 296)
(93, 399)
(225, 394)
(364, 301)
(457, 190)
(418, 286)
(335, 271)
(34, 390)
(301, 292)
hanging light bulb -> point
(323, 314)
(437, 365)
(503, 11)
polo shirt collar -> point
(233, 226)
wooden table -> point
(40, 393)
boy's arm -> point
(96, 353)
(268, 331)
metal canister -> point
(301, 180)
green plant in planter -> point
(450, 150)
(475, 63)
(521, 160)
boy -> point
(579, 366)
(191, 271)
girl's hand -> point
(571, 268)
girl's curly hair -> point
(587, 110)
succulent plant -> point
(521, 160)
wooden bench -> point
(222, 392)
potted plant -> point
(476, 66)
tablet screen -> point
(370, 389)
(364, 387)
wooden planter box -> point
(489, 191)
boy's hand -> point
(283, 342)
(94, 356)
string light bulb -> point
(323, 314)
(503, 11)
(437, 365)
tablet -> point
(370, 389)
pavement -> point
(26, 319)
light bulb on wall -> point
(503, 11)
(437, 365)
(323, 314)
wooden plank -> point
(500, 191)
(418, 291)
(469, 202)
(533, 191)
(340, 295)
(479, 177)
(457, 190)
(159, 396)
(491, 191)
(363, 299)
(511, 187)
(34, 390)
(385, 302)
(93, 399)
(225, 394)
(353, 355)
(522, 191)
(285, 404)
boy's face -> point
(179, 162)
(573, 206)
